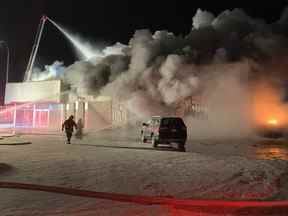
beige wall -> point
(33, 92)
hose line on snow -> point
(145, 200)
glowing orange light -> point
(268, 107)
(273, 122)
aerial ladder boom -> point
(33, 54)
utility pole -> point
(7, 60)
(3, 43)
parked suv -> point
(165, 130)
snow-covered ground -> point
(115, 162)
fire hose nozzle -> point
(44, 17)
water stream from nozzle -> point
(85, 51)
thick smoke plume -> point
(219, 61)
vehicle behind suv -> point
(165, 130)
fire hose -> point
(144, 200)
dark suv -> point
(165, 130)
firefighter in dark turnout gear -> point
(69, 125)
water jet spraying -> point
(85, 50)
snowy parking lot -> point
(114, 161)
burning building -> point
(218, 61)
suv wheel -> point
(154, 142)
(181, 147)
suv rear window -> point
(172, 122)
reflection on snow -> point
(272, 153)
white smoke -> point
(51, 72)
(202, 19)
(227, 102)
(175, 84)
(116, 49)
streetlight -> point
(8, 58)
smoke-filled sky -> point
(106, 21)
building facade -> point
(45, 105)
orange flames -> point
(268, 107)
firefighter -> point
(69, 125)
(79, 131)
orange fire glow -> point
(268, 107)
(273, 122)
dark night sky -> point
(100, 20)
